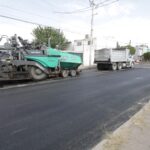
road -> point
(72, 114)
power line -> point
(21, 20)
(75, 11)
(30, 22)
(34, 23)
(101, 3)
(49, 3)
(108, 3)
(98, 5)
(30, 13)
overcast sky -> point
(122, 21)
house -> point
(140, 50)
(83, 47)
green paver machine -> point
(25, 62)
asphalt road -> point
(72, 114)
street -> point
(72, 114)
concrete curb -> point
(116, 140)
(87, 67)
(38, 83)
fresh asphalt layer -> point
(71, 114)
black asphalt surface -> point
(72, 114)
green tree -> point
(146, 56)
(57, 38)
(132, 49)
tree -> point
(57, 38)
(132, 49)
(146, 56)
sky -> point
(122, 21)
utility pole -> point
(92, 5)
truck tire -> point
(99, 66)
(119, 66)
(64, 73)
(73, 73)
(132, 65)
(114, 66)
(37, 74)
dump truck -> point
(24, 62)
(114, 59)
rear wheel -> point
(119, 66)
(114, 66)
(73, 73)
(64, 73)
(99, 67)
(37, 73)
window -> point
(79, 43)
(89, 43)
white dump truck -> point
(114, 59)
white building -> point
(140, 50)
(83, 47)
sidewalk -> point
(133, 135)
(87, 67)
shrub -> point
(146, 56)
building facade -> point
(140, 50)
(86, 48)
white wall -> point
(140, 50)
(85, 49)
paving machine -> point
(19, 60)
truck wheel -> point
(64, 73)
(114, 66)
(119, 66)
(99, 66)
(37, 73)
(132, 65)
(73, 73)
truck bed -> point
(111, 55)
